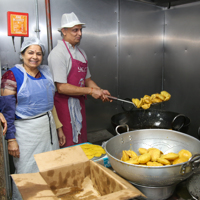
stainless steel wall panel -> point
(182, 61)
(99, 41)
(8, 56)
(141, 49)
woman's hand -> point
(4, 123)
(13, 148)
(61, 137)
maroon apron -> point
(76, 77)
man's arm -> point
(90, 83)
(91, 89)
(68, 89)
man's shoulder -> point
(82, 51)
(58, 49)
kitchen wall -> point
(119, 40)
(9, 53)
(100, 42)
(133, 49)
(141, 49)
(182, 61)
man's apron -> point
(76, 77)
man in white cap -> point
(71, 74)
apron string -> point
(50, 128)
(31, 118)
(49, 123)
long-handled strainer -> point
(117, 99)
(130, 102)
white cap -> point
(31, 41)
(69, 20)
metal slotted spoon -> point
(130, 102)
(117, 99)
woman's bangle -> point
(11, 140)
(91, 91)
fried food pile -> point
(92, 150)
(155, 157)
(147, 100)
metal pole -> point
(48, 18)
(37, 30)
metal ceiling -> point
(168, 3)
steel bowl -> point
(165, 140)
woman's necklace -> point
(31, 73)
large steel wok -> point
(165, 140)
(150, 118)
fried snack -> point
(125, 156)
(184, 154)
(166, 95)
(140, 103)
(131, 154)
(142, 151)
(146, 106)
(179, 160)
(90, 157)
(92, 150)
(155, 157)
(133, 161)
(136, 101)
(144, 158)
(160, 96)
(170, 156)
(147, 100)
(163, 161)
(154, 164)
(155, 154)
(147, 96)
(152, 148)
(156, 100)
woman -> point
(31, 90)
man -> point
(72, 79)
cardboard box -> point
(68, 174)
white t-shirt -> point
(60, 63)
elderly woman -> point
(30, 88)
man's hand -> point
(105, 94)
(96, 93)
(13, 148)
(61, 137)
